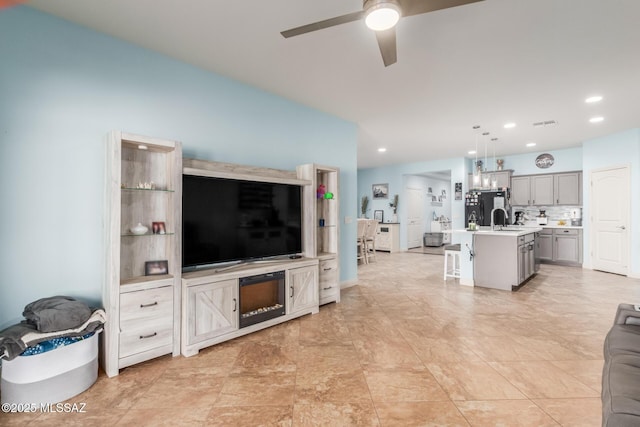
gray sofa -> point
(621, 372)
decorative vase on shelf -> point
(500, 164)
(139, 229)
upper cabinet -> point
(568, 188)
(520, 191)
(492, 180)
(547, 189)
(542, 190)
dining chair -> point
(362, 230)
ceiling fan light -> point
(382, 16)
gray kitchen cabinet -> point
(544, 240)
(560, 246)
(567, 246)
(503, 261)
(520, 191)
(568, 188)
(502, 178)
(542, 190)
(547, 189)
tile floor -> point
(403, 348)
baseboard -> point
(348, 283)
(466, 282)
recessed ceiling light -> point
(596, 119)
(472, 152)
(531, 144)
(382, 150)
(142, 147)
(509, 125)
(593, 99)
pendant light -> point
(494, 180)
(485, 177)
(477, 173)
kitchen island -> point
(499, 259)
(504, 259)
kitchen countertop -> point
(507, 232)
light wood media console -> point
(210, 300)
(153, 315)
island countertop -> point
(507, 231)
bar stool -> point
(452, 251)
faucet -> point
(493, 225)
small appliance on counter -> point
(576, 217)
(542, 217)
(519, 218)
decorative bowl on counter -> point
(139, 229)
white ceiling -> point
(486, 63)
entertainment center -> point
(234, 249)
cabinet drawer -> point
(328, 281)
(139, 306)
(559, 232)
(547, 231)
(146, 335)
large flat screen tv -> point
(225, 220)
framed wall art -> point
(380, 191)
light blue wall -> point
(566, 160)
(63, 88)
(423, 184)
(619, 149)
(396, 176)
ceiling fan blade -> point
(350, 17)
(416, 7)
(387, 44)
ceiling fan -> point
(381, 16)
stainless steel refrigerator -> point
(480, 203)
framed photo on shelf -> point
(154, 268)
(378, 216)
(158, 227)
(380, 191)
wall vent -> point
(545, 123)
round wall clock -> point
(544, 161)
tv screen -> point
(227, 220)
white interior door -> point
(415, 206)
(609, 219)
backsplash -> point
(554, 213)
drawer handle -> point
(142, 337)
(235, 305)
(326, 289)
(291, 294)
(327, 269)
(148, 305)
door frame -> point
(422, 219)
(592, 234)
